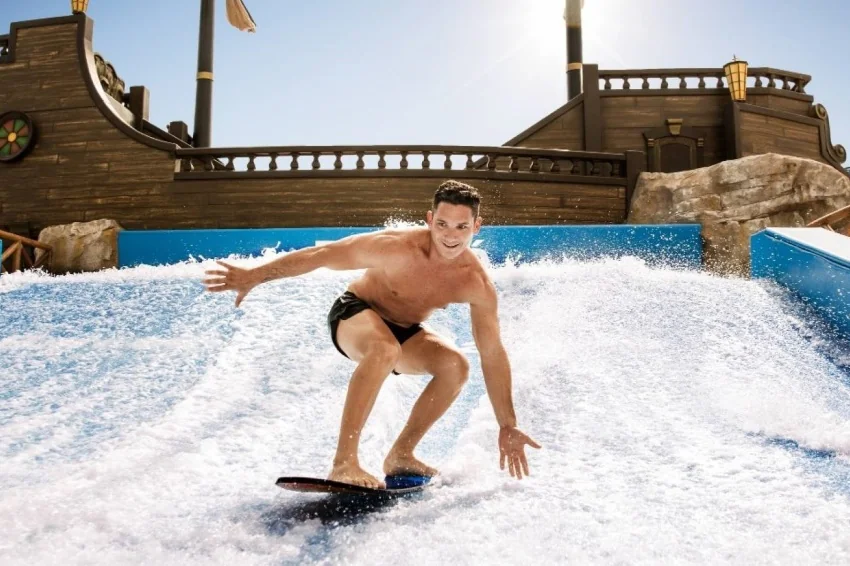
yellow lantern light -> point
(736, 79)
(79, 6)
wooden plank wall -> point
(83, 168)
(625, 118)
(372, 201)
(773, 134)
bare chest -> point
(424, 286)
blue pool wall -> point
(673, 244)
(813, 263)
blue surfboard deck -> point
(396, 485)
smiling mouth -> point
(450, 247)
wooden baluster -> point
(758, 81)
(360, 163)
(616, 169)
(555, 167)
(772, 82)
(208, 163)
(626, 85)
(645, 84)
(251, 166)
(535, 166)
(607, 84)
(491, 161)
(382, 163)
(447, 164)
(469, 163)
(701, 83)
(719, 81)
(229, 166)
(514, 163)
(338, 160)
(403, 163)
(683, 83)
(293, 165)
(273, 162)
(785, 83)
(664, 82)
(186, 165)
(426, 163)
(316, 163)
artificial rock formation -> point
(734, 199)
(82, 246)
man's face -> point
(452, 228)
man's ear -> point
(477, 224)
(429, 217)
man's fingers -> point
(511, 466)
(218, 288)
(239, 297)
(215, 281)
(531, 442)
(518, 468)
(225, 264)
(216, 272)
(502, 457)
(524, 462)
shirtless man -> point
(376, 323)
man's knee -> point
(454, 367)
(385, 352)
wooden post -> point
(139, 105)
(732, 127)
(179, 130)
(592, 109)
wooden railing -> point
(396, 161)
(17, 254)
(700, 79)
(837, 221)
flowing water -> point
(684, 418)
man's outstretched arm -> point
(354, 252)
(497, 378)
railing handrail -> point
(18, 255)
(696, 71)
(24, 240)
(393, 149)
(827, 220)
(800, 80)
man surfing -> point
(377, 323)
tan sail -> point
(239, 16)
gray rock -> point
(734, 199)
(82, 246)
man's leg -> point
(365, 339)
(426, 353)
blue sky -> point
(438, 71)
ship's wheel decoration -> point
(17, 135)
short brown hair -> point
(455, 192)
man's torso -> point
(407, 286)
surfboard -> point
(396, 485)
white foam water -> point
(684, 418)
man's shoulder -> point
(479, 286)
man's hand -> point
(232, 279)
(512, 443)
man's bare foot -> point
(355, 475)
(406, 464)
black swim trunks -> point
(348, 304)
